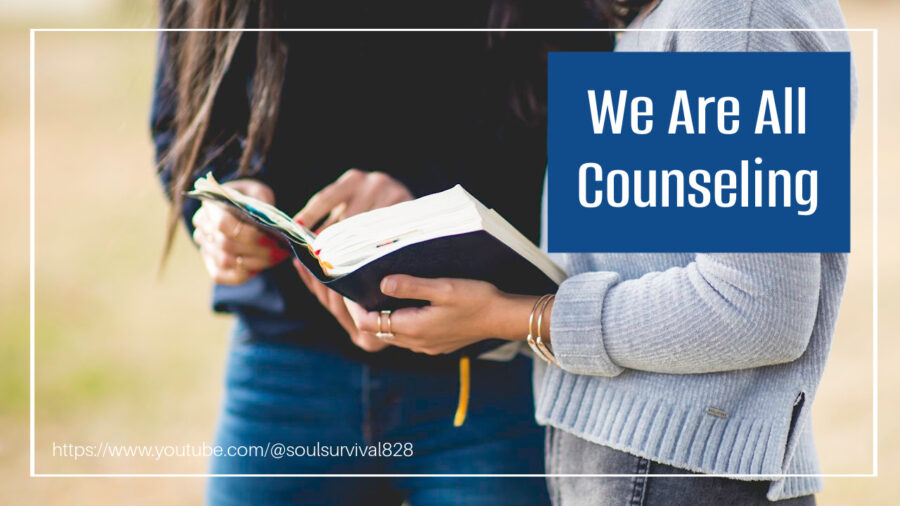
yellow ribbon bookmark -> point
(463, 404)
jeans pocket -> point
(639, 481)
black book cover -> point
(474, 255)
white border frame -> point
(31, 217)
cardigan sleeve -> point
(720, 312)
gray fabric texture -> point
(706, 362)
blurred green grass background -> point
(125, 356)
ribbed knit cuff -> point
(575, 325)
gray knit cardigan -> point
(708, 362)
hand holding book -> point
(233, 251)
(354, 192)
(444, 235)
(335, 304)
(460, 312)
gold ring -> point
(385, 335)
(240, 260)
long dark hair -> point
(200, 60)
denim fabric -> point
(279, 393)
(569, 454)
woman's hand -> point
(462, 312)
(234, 251)
(334, 303)
(354, 192)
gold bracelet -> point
(531, 316)
(545, 348)
(529, 338)
(541, 302)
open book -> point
(447, 234)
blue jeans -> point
(312, 399)
(569, 454)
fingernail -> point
(267, 242)
(298, 221)
(388, 285)
(277, 255)
(316, 252)
(319, 230)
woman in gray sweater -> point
(668, 363)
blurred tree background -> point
(128, 357)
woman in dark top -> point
(283, 116)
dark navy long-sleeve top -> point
(430, 109)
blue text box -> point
(814, 163)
